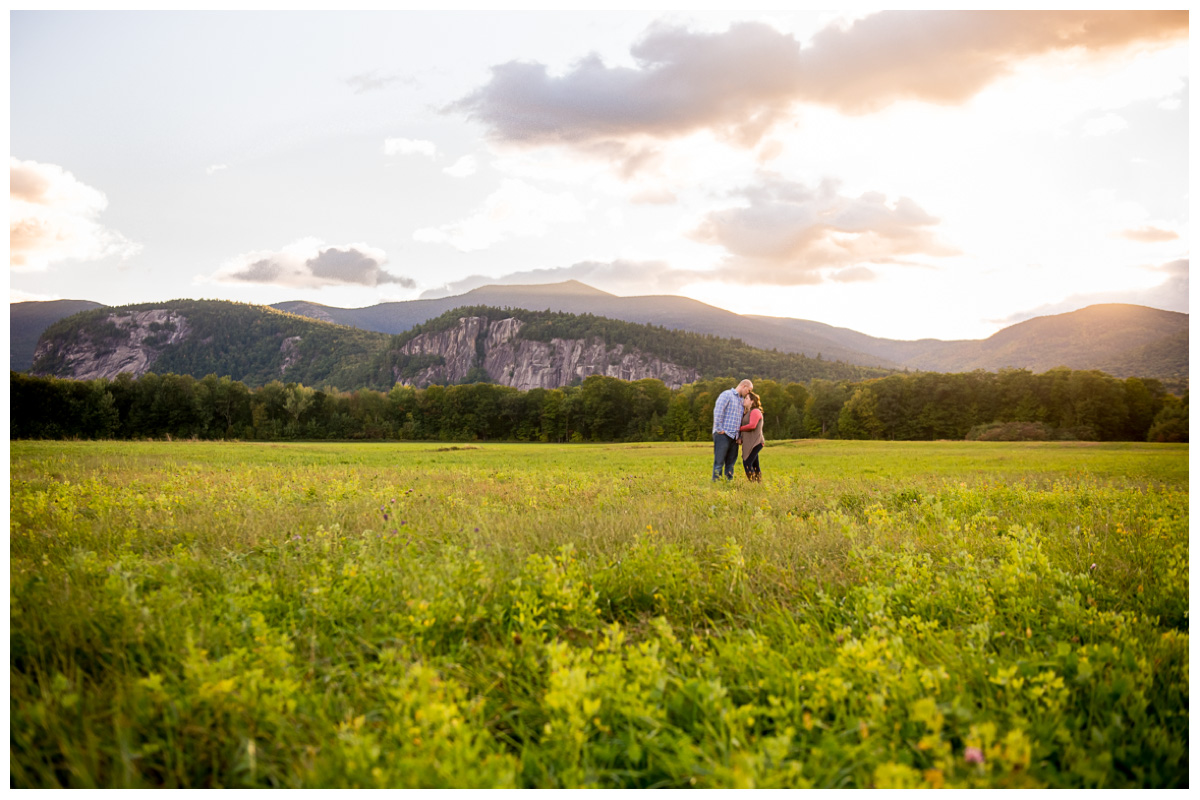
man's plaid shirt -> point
(727, 413)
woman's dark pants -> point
(750, 463)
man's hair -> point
(746, 382)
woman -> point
(752, 436)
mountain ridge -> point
(1122, 339)
(514, 347)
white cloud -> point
(408, 147)
(742, 82)
(1171, 104)
(464, 167)
(21, 296)
(516, 209)
(216, 168)
(373, 81)
(790, 233)
(310, 264)
(1101, 126)
(52, 218)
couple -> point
(737, 419)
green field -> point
(423, 615)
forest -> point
(1011, 405)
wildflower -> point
(973, 755)
(393, 531)
(477, 530)
(1093, 566)
(385, 517)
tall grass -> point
(872, 614)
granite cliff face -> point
(139, 338)
(526, 364)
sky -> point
(907, 174)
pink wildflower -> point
(973, 755)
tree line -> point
(1011, 404)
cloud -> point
(741, 82)
(1149, 233)
(946, 57)
(215, 168)
(372, 81)
(310, 264)
(1102, 126)
(1170, 295)
(853, 274)
(464, 167)
(620, 277)
(683, 82)
(21, 296)
(53, 218)
(408, 147)
(515, 209)
(788, 233)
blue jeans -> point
(725, 451)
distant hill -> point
(26, 321)
(515, 347)
(1123, 340)
(573, 297)
(253, 344)
(1102, 337)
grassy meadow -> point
(926, 614)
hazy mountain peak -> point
(571, 287)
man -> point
(727, 418)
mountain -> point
(515, 347)
(253, 344)
(573, 297)
(26, 321)
(1106, 336)
(1124, 340)
(1110, 337)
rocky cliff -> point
(526, 364)
(131, 342)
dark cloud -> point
(740, 82)
(737, 81)
(351, 266)
(308, 265)
(264, 270)
(790, 233)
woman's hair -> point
(755, 402)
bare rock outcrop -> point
(289, 351)
(526, 364)
(139, 339)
